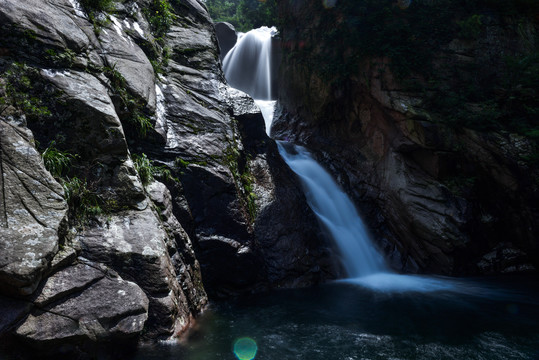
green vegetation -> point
(471, 27)
(160, 17)
(148, 171)
(65, 58)
(497, 90)
(159, 59)
(82, 201)
(244, 14)
(144, 167)
(248, 181)
(20, 90)
(94, 7)
(98, 5)
(57, 162)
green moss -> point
(471, 27)
(459, 185)
(181, 163)
(243, 178)
(65, 58)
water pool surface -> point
(347, 321)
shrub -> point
(160, 17)
(20, 80)
(144, 167)
(83, 203)
(148, 171)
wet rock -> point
(295, 251)
(94, 115)
(180, 248)
(32, 212)
(122, 54)
(70, 280)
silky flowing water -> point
(373, 313)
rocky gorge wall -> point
(425, 112)
(133, 178)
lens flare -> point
(245, 349)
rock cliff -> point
(131, 176)
(426, 112)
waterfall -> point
(335, 212)
(247, 67)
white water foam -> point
(390, 282)
(267, 107)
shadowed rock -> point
(226, 34)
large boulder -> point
(83, 304)
(227, 36)
(123, 55)
(53, 24)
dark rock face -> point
(227, 36)
(438, 198)
(215, 158)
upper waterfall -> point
(248, 65)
